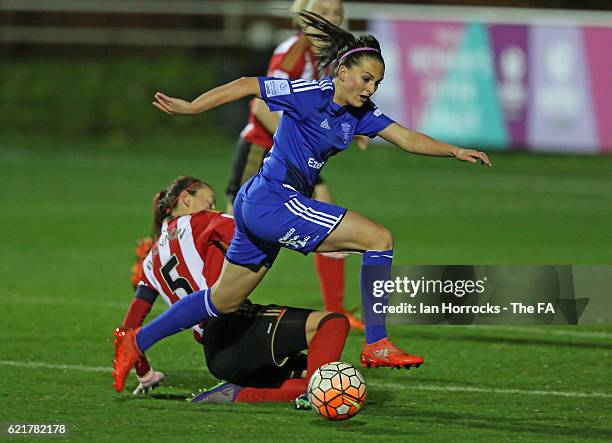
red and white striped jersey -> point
(292, 59)
(188, 255)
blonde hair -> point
(297, 6)
(302, 5)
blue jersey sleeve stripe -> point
(301, 84)
(311, 83)
(300, 81)
(307, 88)
(310, 88)
(305, 85)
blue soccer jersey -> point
(312, 129)
(273, 210)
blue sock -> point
(375, 265)
(185, 313)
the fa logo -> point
(346, 133)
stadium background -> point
(82, 152)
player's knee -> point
(225, 305)
(340, 320)
(343, 321)
(381, 240)
(387, 239)
(322, 193)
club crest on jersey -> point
(346, 132)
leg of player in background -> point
(330, 270)
(248, 158)
(238, 164)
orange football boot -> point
(385, 353)
(126, 355)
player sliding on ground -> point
(274, 208)
(257, 349)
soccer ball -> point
(337, 391)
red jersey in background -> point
(292, 59)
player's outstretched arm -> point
(218, 96)
(417, 143)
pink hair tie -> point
(346, 54)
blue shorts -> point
(270, 216)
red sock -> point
(136, 313)
(328, 342)
(331, 279)
(289, 390)
(134, 318)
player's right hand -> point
(149, 382)
(172, 106)
(362, 141)
(143, 247)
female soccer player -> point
(256, 348)
(294, 58)
(274, 208)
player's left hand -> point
(172, 106)
(362, 141)
(152, 381)
(472, 156)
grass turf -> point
(72, 210)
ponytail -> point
(335, 44)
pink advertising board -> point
(502, 86)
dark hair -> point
(166, 199)
(333, 42)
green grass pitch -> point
(73, 208)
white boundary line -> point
(400, 386)
(61, 301)
(43, 365)
(450, 388)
